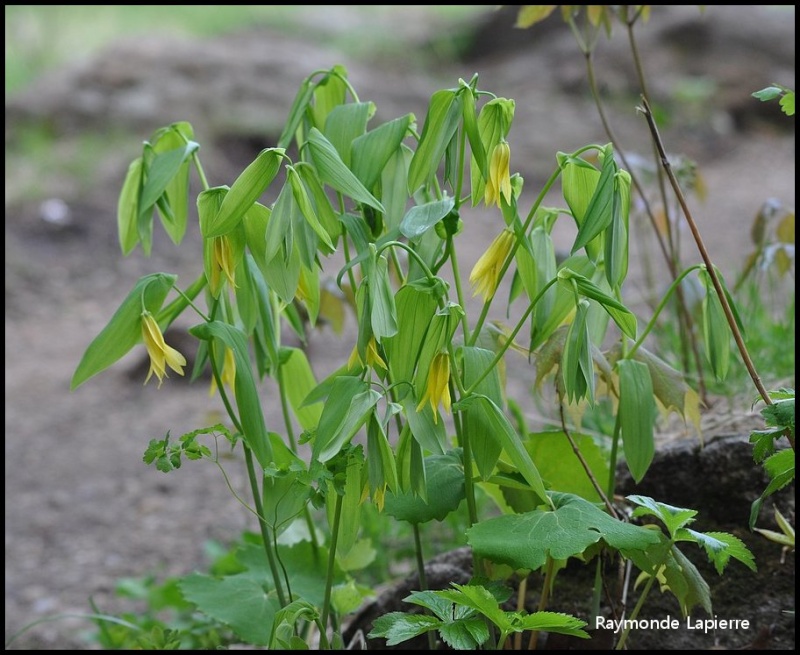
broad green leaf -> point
(561, 469)
(787, 103)
(128, 207)
(349, 405)
(444, 475)
(247, 398)
(525, 541)
(480, 599)
(696, 589)
(124, 330)
(299, 379)
(159, 172)
(236, 601)
(512, 445)
(246, 190)
(478, 423)
(208, 203)
(372, 151)
(330, 92)
(441, 123)
(415, 310)
(421, 218)
(397, 627)
(282, 274)
(459, 634)
(637, 415)
(344, 124)
(622, 316)
(564, 624)
(350, 521)
(599, 212)
(333, 171)
(176, 194)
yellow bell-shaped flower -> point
(161, 355)
(485, 275)
(437, 390)
(499, 182)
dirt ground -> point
(82, 510)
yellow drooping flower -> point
(436, 389)
(373, 357)
(161, 355)
(499, 181)
(223, 262)
(485, 274)
(228, 373)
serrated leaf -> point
(525, 541)
(458, 636)
(564, 624)
(674, 518)
(768, 93)
(397, 627)
(721, 547)
(124, 330)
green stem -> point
(326, 603)
(459, 292)
(170, 312)
(639, 604)
(612, 464)
(423, 579)
(509, 340)
(544, 599)
(510, 257)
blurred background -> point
(85, 85)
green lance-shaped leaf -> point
(282, 274)
(237, 601)
(350, 520)
(208, 203)
(441, 122)
(494, 123)
(616, 236)
(525, 541)
(577, 370)
(246, 190)
(599, 210)
(637, 414)
(579, 179)
(298, 109)
(299, 382)
(124, 330)
(394, 184)
(444, 476)
(307, 209)
(372, 151)
(161, 169)
(280, 228)
(344, 124)
(415, 310)
(382, 304)
(176, 194)
(250, 413)
(622, 316)
(428, 433)
(381, 464)
(716, 331)
(478, 421)
(421, 218)
(333, 171)
(512, 445)
(470, 118)
(128, 207)
(349, 405)
(322, 205)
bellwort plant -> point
(418, 421)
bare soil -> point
(82, 510)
